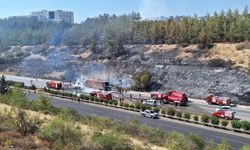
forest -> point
(114, 31)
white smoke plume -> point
(153, 9)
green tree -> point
(143, 80)
(3, 85)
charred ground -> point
(189, 69)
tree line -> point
(114, 31)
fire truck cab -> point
(171, 97)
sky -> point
(147, 8)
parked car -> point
(150, 102)
(149, 114)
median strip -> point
(187, 116)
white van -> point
(150, 102)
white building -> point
(56, 16)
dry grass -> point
(240, 59)
(160, 48)
(55, 75)
(83, 55)
(32, 142)
(225, 51)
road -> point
(209, 134)
(194, 106)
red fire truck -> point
(211, 99)
(54, 85)
(224, 112)
(98, 84)
(105, 96)
(171, 97)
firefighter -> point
(176, 104)
(78, 99)
(130, 96)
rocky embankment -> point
(221, 70)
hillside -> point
(222, 69)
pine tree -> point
(3, 85)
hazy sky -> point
(148, 8)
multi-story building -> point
(56, 16)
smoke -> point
(153, 8)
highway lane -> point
(195, 106)
(209, 134)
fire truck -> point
(211, 99)
(54, 85)
(103, 95)
(98, 84)
(224, 112)
(171, 97)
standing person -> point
(176, 104)
(78, 99)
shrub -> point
(112, 140)
(224, 123)
(245, 147)
(171, 111)
(214, 120)
(197, 140)
(187, 116)
(236, 124)
(132, 106)
(148, 107)
(196, 118)
(205, 118)
(92, 98)
(223, 146)
(82, 96)
(245, 125)
(163, 111)
(142, 80)
(69, 114)
(43, 103)
(61, 133)
(137, 105)
(121, 104)
(8, 143)
(97, 99)
(115, 102)
(24, 125)
(176, 141)
(110, 102)
(126, 105)
(179, 114)
(87, 97)
(156, 109)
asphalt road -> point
(209, 134)
(199, 108)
